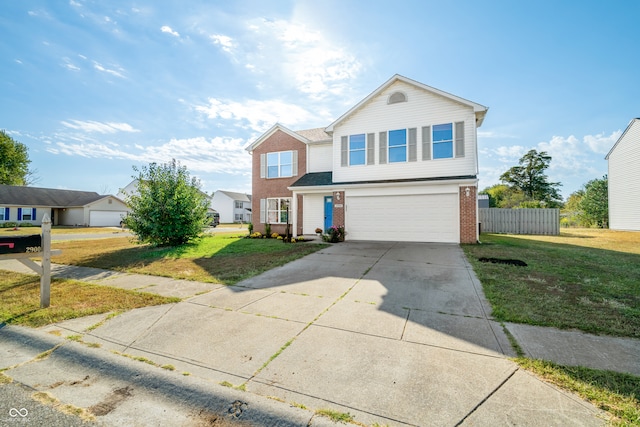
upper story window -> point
(443, 141)
(280, 164)
(397, 145)
(238, 204)
(357, 150)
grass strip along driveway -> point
(213, 259)
(584, 279)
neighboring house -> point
(232, 207)
(64, 207)
(483, 201)
(624, 177)
(400, 165)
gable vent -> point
(396, 97)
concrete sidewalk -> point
(394, 334)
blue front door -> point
(328, 212)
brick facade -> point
(263, 188)
(468, 215)
(338, 208)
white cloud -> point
(169, 30)
(118, 73)
(100, 127)
(217, 155)
(510, 153)
(601, 143)
(226, 43)
(257, 116)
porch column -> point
(294, 213)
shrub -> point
(250, 227)
(9, 224)
(336, 234)
(256, 235)
(267, 229)
(26, 224)
(274, 235)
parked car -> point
(215, 219)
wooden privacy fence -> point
(519, 221)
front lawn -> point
(585, 279)
(216, 259)
(20, 300)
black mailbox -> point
(21, 244)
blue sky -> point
(94, 88)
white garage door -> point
(105, 218)
(414, 218)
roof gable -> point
(479, 110)
(631, 124)
(271, 131)
(235, 196)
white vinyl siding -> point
(423, 110)
(624, 180)
(320, 158)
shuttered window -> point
(357, 150)
(397, 146)
(442, 141)
(4, 214)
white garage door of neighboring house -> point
(105, 218)
(407, 218)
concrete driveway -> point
(393, 333)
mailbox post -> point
(23, 248)
(45, 277)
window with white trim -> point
(4, 214)
(397, 145)
(357, 150)
(280, 164)
(26, 214)
(238, 204)
(279, 210)
(442, 141)
(238, 217)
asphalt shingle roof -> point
(34, 196)
(317, 134)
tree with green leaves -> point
(14, 161)
(595, 202)
(530, 179)
(168, 209)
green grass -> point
(216, 259)
(616, 393)
(583, 279)
(335, 416)
(70, 299)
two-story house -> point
(232, 206)
(402, 164)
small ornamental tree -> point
(169, 209)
